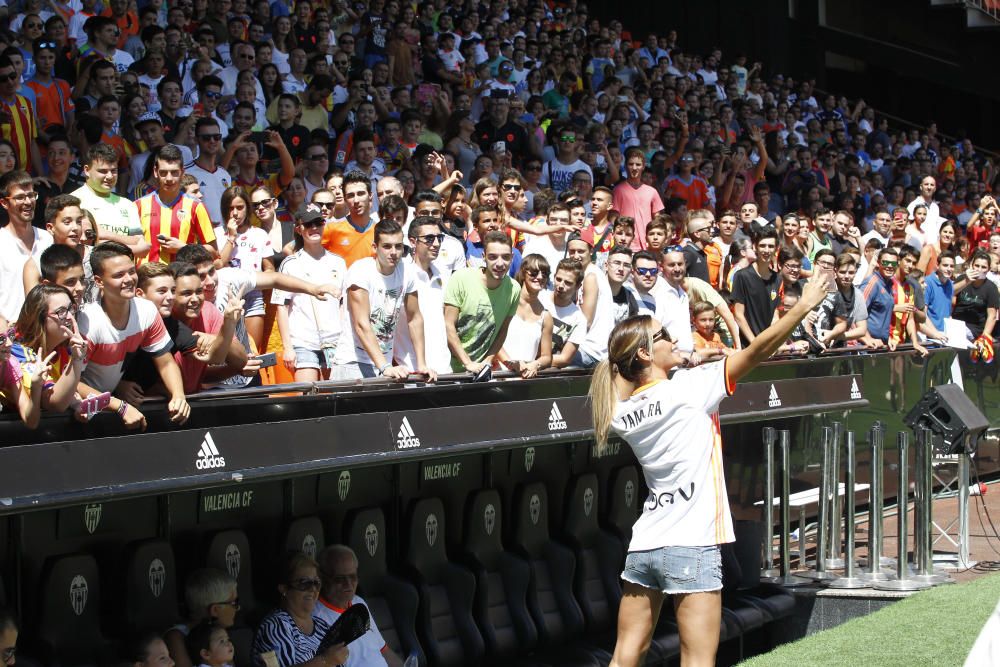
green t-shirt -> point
(481, 311)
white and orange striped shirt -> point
(109, 348)
(673, 428)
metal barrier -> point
(828, 495)
(873, 572)
(903, 580)
(850, 580)
(836, 519)
(767, 547)
(923, 515)
(785, 577)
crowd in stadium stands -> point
(224, 193)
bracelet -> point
(384, 367)
(979, 211)
(122, 409)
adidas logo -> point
(406, 438)
(208, 456)
(556, 421)
(772, 398)
(855, 391)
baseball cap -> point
(148, 117)
(308, 213)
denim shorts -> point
(676, 569)
(309, 358)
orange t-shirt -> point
(702, 343)
(342, 238)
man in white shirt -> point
(675, 309)
(243, 59)
(379, 289)
(426, 239)
(645, 271)
(558, 172)
(550, 246)
(881, 229)
(569, 324)
(932, 224)
(19, 241)
(212, 178)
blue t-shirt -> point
(880, 302)
(938, 298)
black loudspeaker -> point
(952, 418)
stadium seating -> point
(68, 629)
(150, 587)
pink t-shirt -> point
(208, 321)
(641, 204)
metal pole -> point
(786, 578)
(963, 507)
(836, 519)
(828, 485)
(923, 550)
(770, 438)
(903, 582)
(850, 579)
(874, 570)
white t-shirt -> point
(595, 345)
(13, 255)
(250, 249)
(451, 257)
(559, 176)
(108, 346)
(385, 301)
(673, 429)
(569, 324)
(313, 323)
(240, 282)
(674, 311)
(366, 650)
(213, 184)
(430, 292)
(542, 245)
(113, 213)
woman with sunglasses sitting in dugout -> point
(290, 634)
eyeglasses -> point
(619, 264)
(825, 265)
(264, 203)
(662, 334)
(7, 337)
(23, 197)
(210, 137)
(317, 157)
(235, 603)
(305, 584)
(648, 271)
(430, 239)
(61, 314)
(792, 266)
(313, 223)
(212, 95)
(700, 230)
(511, 187)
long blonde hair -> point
(626, 339)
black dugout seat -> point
(305, 534)
(742, 585)
(600, 558)
(229, 551)
(393, 602)
(69, 623)
(445, 624)
(501, 603)
(624, 504)
(150, 579)
(553, 608)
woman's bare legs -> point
(699, 618)
(637, 616)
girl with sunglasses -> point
(672, 427)
(528, 347)
(294, 631)
(248, 248)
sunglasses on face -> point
(568, 139)
(9, 77)
(210, 137)
(264, 203)
(90, 234)
(662, 334)
(7, 337)
(305, 584)
(212, 95)
(317, 157)
(889, 264)
(511, 187)
(431, 239)
(313, 224)
(534, 273)
(648, 271)
(324, 204)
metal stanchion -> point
(785, 578)
(827, 491)
(923, 496)
(903, 581)
(850, 579)
(875, 533)
(836, 518)
(767, 545)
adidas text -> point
(208, 456)
(556, 421)
(406, 438)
